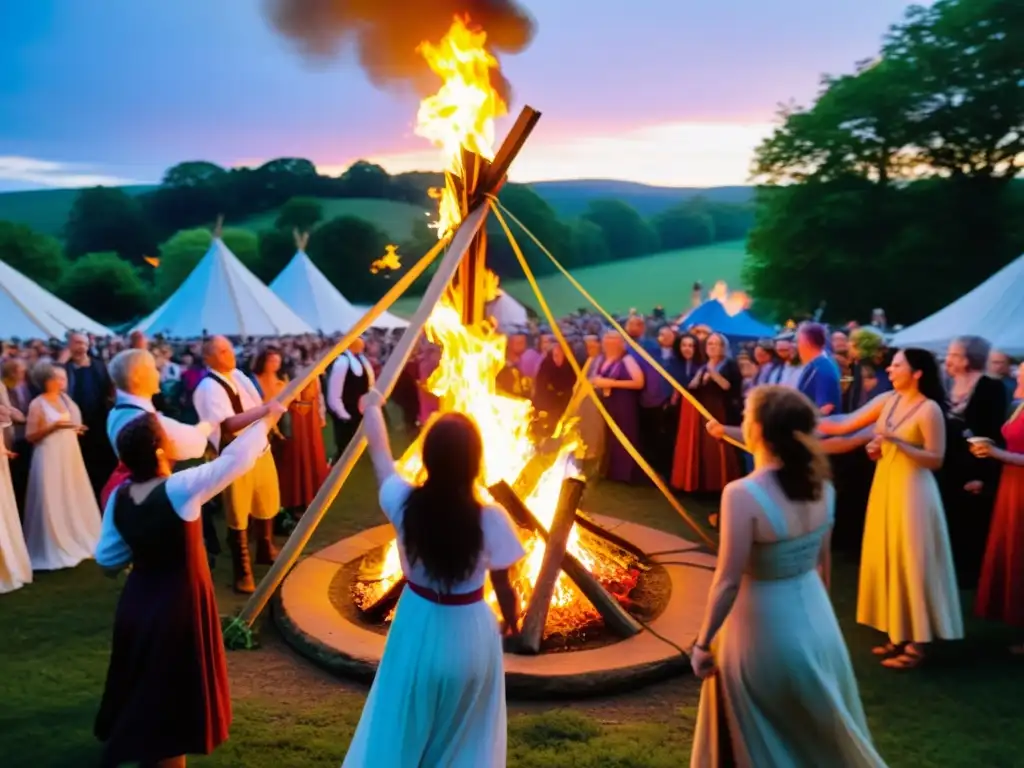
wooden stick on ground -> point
(615, 616)
(543, 589)
(385, 383)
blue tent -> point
(738, 327)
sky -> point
(666, 92)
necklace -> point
(891, 423)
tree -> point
(684, 225)
(105, 287)
(37, 256)
(301, 213)
(588, 244)
(180, 255)
(343, 249)
(194, 174)
(108, 219)
(540, 219)
(277, 247)
(363, 179)
(626, 233)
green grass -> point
(45, 210)
(963, 709)
(661, 279)
(391, 217)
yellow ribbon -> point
(629, 339)
(586, 383)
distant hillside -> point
(393, 218)
(46, 210)
(570, 198)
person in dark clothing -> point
(89, 385)
(350, 378)
(552, 390)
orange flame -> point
(733, 301)
(462, 112)
(389, 261)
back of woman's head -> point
(930, 382)
(441, 527)
(139, 444)
(788, 420)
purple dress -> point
(623, 406)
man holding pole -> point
(227, 399)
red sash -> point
(465, 598)
(117, 477)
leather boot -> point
(240, 562)
(266, 552)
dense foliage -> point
(896, 187)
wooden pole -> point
(558, 538)
(615, 616)
(339, 473)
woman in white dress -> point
(908, 586)
(438, 698)
(62, 517)
(15, 566)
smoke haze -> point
(386, 33)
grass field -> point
(664, 279)
(393, 218)
(45, 210)
(962, 709)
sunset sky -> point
(671, 92)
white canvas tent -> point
(994, 310)
(508, 312)
(27, 311)
(305, 289)
(222, 296)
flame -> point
(390, 260)
(733, 301)
(461, 114)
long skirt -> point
(1001, 590)
(439, 695)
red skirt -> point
(118, 476)
(1001, 589)
(702, 463)
(301, 461)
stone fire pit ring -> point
(312, 625)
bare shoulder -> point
(932, 410)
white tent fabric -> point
(306, 290)
(508, 312)
(222, 296)
(27, 311)
(994, 310)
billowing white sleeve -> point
(189, 489)
(335, 386)
(501, 540)
(186, 441)
(111, 550)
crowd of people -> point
(916, 469)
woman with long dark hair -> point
(438, 697)
(908, 584)
(778, 683)
(166, 694)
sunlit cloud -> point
(669, 154)
(50, 173)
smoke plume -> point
(386, 33)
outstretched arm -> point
(859, 419)
(376, 433)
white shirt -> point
(188, 490)
(502, 548)
(336, 383)
(790, 375)
(186, 441)
(213, 404)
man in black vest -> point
(228, 400)
(351, 377)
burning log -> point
(614, 615)
(558, 538)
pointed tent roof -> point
(994, 310)
(508, 312)
(305, 288)
(222, 296)
(739, 326)
(28, 311)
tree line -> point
(897, 187)
(105, 264)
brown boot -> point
(266, 552)
(239, 541)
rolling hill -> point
(45, 210)
(394, 218)
(664, 279)
(570, 198)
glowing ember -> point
(733, 301)
(461, 114)
(389, 261)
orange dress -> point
(302, 458)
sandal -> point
(905, 660)
(889, 649)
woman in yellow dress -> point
(908, 584)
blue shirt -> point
(652, 395)
(819, 380)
